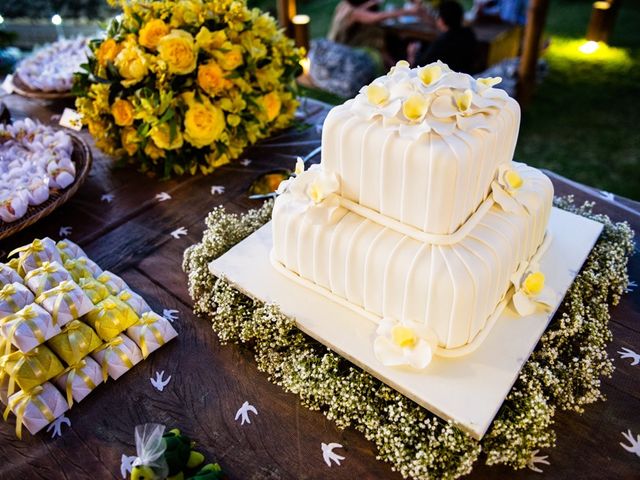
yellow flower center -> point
(377, 94)
(415, 107)
(513, 179)
(463, 100)
(533, 284)
(403, 336)
(430, 74)
(315, 192)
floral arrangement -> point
(564, 373)
(185, 86)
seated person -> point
(455, 45)
(508, 11)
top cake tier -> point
(422, 145)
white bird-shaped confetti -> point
(626, 353)
(634, 446)
(56, 427)
(170, 315)
(537, 459)
(107, 197)
(178, 232)
(329, 455)
(217, 190)
(163, 197)
(160, 382)
(65, 231)
(245, 162)
(243, 413)
(631, 286)
(126, 464)
(607, 195)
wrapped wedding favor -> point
(37, 408)
(151, 332)
(69, 250)
(28, 327)
(35, 254)
(28, 370)
(117, 356)
(135, 301)
(8, 275)
(75, 342)
(4, 377)
(113, 282)
(14, 297)
(80, 379)
(46, 276)
(65, 302)
(82, 267)
(95, 290)
(111, 317)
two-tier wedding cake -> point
(417, 217)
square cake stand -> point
(468, 390)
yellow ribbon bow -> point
(78, 267)
(19, 404)
(73, 371)
(111, 348)
(34, 248)
(46, 267)
(24, 316)
(6, 295)
(62, 294)
(29, 358)
(77, 340)
(147, 321)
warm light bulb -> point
(300, 19)
(305, 63)
(589, 47)
(56, 19)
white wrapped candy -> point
(37, 189)
(65, 302)
(46, 276)
(151, 332)
(14, 297)
(113, 282)
(69, 250)
(8, 275)
(36, 253)
(13, 205)
(135, 301)
(117, 356)
(37, 408)
(29, 328)
(80, 380)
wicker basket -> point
(21, 88)
(83, 159)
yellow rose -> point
(185, 12)
(210, 41)
(179, 52)
(132, 65)
(161, 136)
(152, 151)
(122, 111)
(272, 104)
(107, 51)
(152, 32)
(211, 78)
(130, 140)
(203, 122)
(231, 59)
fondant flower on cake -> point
(530, 290)
(375, 99)
(438, 75)
(511, 191)
(404, 343)
(311, 192)
(457, 108)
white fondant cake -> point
(417, 217)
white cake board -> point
(468, 390)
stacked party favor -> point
(34, 160)
(62, 330)
(51, 68)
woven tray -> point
(21, 88)
(83, 159)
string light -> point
(56, 20)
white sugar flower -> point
(375, 99)
(511, 191)
(404, 343)
(530, 290)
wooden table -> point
(131, 237)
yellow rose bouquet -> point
(184, 86)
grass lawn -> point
(583, 122)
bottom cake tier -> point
(454, 290)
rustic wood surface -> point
(131, 237)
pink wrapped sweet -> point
(151, 332)
(29, 327)
(37, 408)
(14, 297)
(80, 380)
(117, 356)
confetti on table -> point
(170, 315)
(178, 232)
(163, 196)
(329, 455)
(634, 446)
(243, 413)
(56, 427)
(631, 286)
(536, 459)
(607, 195)
(626, 353)
(245, 162)
(126, 464)
(65, 231)
(217, 190)
(107, 197)
(159, 382)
